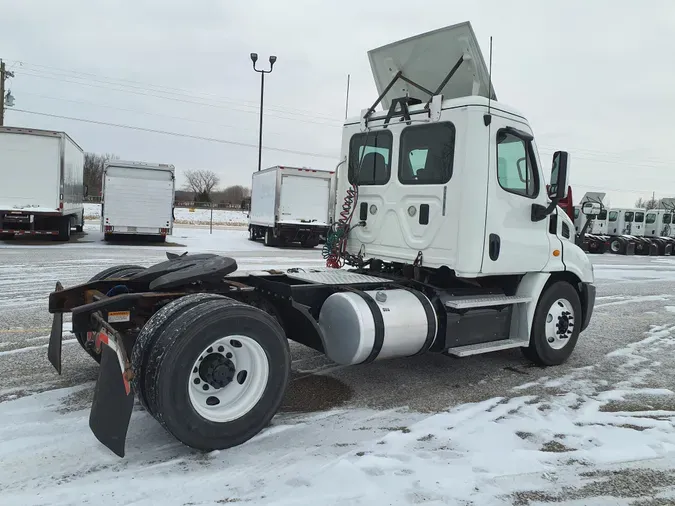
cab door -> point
(514, 243)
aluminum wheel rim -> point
(235, 399)
(559, 324)
(615, 246)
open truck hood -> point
(593, 197)
(427, 59)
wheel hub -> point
(217, 370)
(563, 324)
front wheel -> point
(556, 325)
(217, 373)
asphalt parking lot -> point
(635, 296)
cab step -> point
(477, 349)
(485, 301)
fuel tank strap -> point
(377, 320)
(432, 326)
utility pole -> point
(4, 74)
(2, 93)
(254, 58)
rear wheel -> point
(79, 228)
(270, 240)
(616, 246)
(152, 329)
(217, 373)
(311, 242)
(556, 325)
(64, 229)
(118, 271)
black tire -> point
(310, 243)
(270, 240)
(64, 229)
(117, 271)
(540, 351)
(80, 228)
(6, 237)
(251, 234)
(180, 344)
(616, 246)
(152, 329)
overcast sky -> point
(594, 78)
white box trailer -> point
(137, 199)
(291, 204)
(42, 189)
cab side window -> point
(515, 168)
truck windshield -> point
(613, 215)
(667, 219)
(628, 217)
(370, 158)
(651, 218)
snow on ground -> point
(506, 450)
(230, 217)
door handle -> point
(494, 246)
(424, 214)
(363, 211)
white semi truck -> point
(448, 242)
(291, 205)
(42, 188)
(137, 199)
(628, 231)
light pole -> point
(254, 58)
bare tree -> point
(648, 204)
(202, 183)
(93, 170)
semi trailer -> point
(137, 198)
(291, 205)
(42, 189)
(409, 271)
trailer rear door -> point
(304, 199)
(137, 198)
(31, 172)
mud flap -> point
(113, 399)
(55, 337)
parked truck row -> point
(42, 191)
(626, 231)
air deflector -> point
(427, 59)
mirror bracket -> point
(540, 212)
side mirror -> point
(86, 190)
(591, 208)
(559, 175)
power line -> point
(187, 101)
(154, 88)
(84, 102)
(176, 134)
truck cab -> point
(456, 180)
